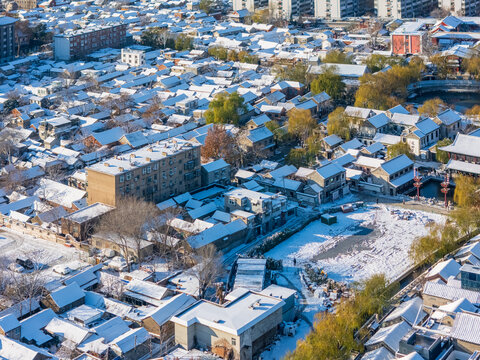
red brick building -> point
(77, 44)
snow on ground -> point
(368, 241)
(44, 252)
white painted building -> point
(133, 57)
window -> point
(122, 178)
(144, 171)
(149, 169)
(128, 176)
(155, 166)
(234, 341)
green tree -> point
(376, 62)
(432, 107)
(337, 57)
(206, 6)
(339, 123)
(442, 156)
(473, 111)
(183, 42)
(398, 149)
(261, 16)
(225, 109)
(157, 38)
(442, 65)
(465, 194)
(218, 52)
(386, 89)
(301, 124)
(298, 72)
(332, 337)
(329, 82)
(472, 66)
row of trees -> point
(442, 238)
(386, 89)
(162, 38)
(333, 335)
(221, 53)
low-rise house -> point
(215, 172)
(242, 327)
(12, 349)
(250, 274)
(81, 223)
(388, 337)
(331, 178)
(10, 327)
(436, 295)
(464, 154)
(102, 240)
(465, 332)
(158, 322)
(449, 122)
(65, 298)
(395, 175)
(58, 194)
(132, 345)
(330, 143)
(139, 292)
(423, 135)
(259, 139)
(409, 311)
(270, 210)
(443, 270)
(289, 296)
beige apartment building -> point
(155, 173)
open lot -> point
(373, 239)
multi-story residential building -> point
(155, 173)
(461, 7)
(79, 43)
(26, 4)
(404, 9)
(288, 9)
(250, 5)
(270, 210)
(7, 38)
(133, 57)
(338, 9)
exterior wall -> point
(162, 332)
(406, 44)
(466, 346)
(220, 176)
(26, 4)
(106, 244)
(133, 57)
(155, 182)
(81, 43)
(7, 42)
(245, 346)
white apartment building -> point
(338, 9)
(404, 9)
(250, 5)
(288, 9)
(461, 7)
(133, 57)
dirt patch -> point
(352, 243)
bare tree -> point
(127, 224)
(161, 229)
(208, 268)
(7, 144)
(111, 285)
(11, 178)
(26, 286)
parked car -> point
(25, 262)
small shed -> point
(328, 219)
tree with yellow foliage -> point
(432, 107)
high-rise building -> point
(288, 9)
(339, 9)
(79, 43)
(155, 173)
(404, 9)
(250, 5)
(7, 38)
(26, 4)
(461, 7)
